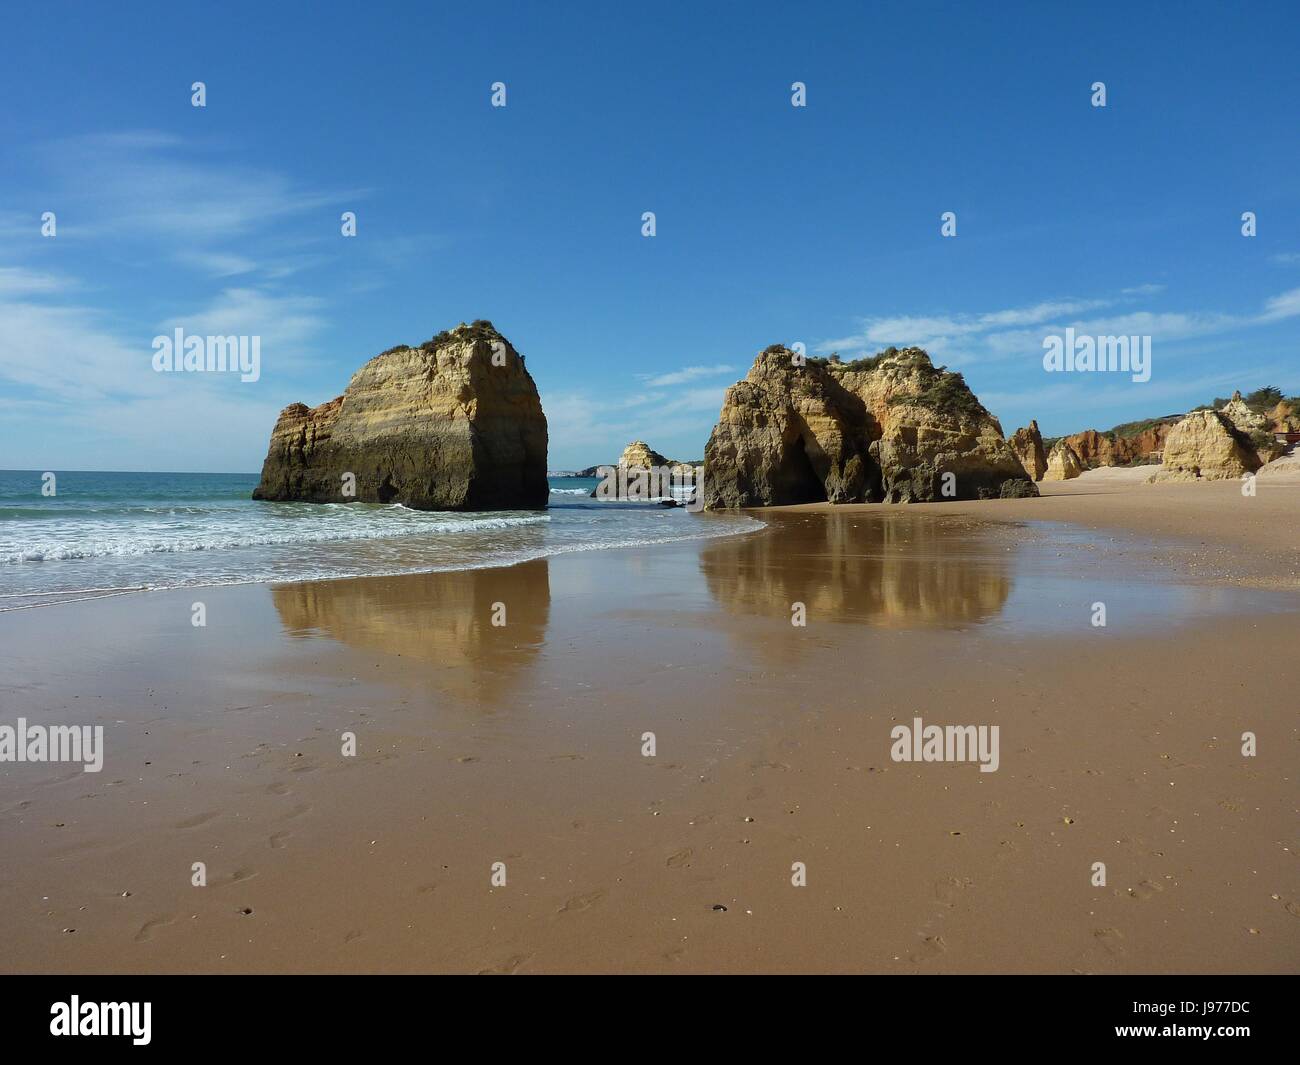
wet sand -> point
(522, 744)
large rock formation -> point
(1206, 446)
(1027, 443)
(455, 424)
(1217, 444)
(1063, 463)
(886, 428)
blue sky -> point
(774, 223)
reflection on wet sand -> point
(895, 570)
(444, 619)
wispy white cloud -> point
(216, 263)
(1287, 305)
(968, 338)
(284, 322)
(144, 183)
(689, 373)
(72, 354)
(19, 281)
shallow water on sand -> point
(894, 569)
(917, 568)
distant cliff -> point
(1143, 442)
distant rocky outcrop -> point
(1027, 443)
(454, 424)
(1260, 416)
(1206, 446)
(639, 454)
(1218, 444)
(1063, 463)
(886, 428)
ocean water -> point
(106, 534)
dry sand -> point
(523, 744)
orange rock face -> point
(1027, 443)
(1097, 449)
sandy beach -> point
(522, 744)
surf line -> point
(65, 602)
(72, 591)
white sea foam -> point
(111, 533)
(127, 542)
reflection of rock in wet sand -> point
(443, 620)
(894, 570)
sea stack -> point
(1027, 443)
(1063, 463)
(639, 454)
(889, 428)
(454, 424)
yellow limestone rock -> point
(893, 428)
(1062, 463)
(1206, 445)
(455, 424)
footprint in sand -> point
(149, 927)
(1292, 907)
(297, 811)
(679, 858)
(197, 820)
(276, 840)
(354, 934)
(582, 902)
(1110, 940)
(505, 968)
(279, 788)
(426, 889)
(931, 947)
(1144, 890)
